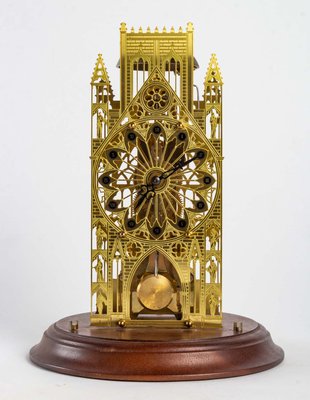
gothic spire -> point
(213, 73)
(100, 72)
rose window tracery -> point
(156, 185)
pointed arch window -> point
(195, 277)
(172, 67)
(117, 281)
(140, 70)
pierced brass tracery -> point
(155, 98)
(156, 186)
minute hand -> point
(176, 167)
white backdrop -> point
(48, 51)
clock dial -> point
(153, 183)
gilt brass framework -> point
(156, 156)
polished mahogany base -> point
(156, 354)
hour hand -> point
(144, 191)
(140, 201)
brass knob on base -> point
(122, 323)
(188, 323)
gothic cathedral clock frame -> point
(156, 186)
(156, 229)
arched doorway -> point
(155, 288)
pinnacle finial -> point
(172, 29)
(100, 72)
(213, 61)
(190, 27)
(180, 29)
(123, 27)
(164, 29)
(132, 30)
(148, 29)
(156, 29)
(140, 29)
(213, 72)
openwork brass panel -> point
(156, 186)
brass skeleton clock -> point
(156, 229)
(156, 186)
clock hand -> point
(176, 167)
(145, 189)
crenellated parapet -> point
(189, 28)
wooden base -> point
(158, 354)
